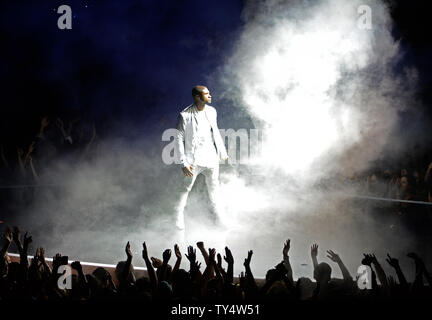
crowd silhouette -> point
(213, 281)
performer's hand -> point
(188, 171)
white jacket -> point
(185, 140)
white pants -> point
(212, 181)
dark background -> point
(128, 66)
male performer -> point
(200, 146)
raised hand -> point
(157, 263)
(16, 235)
(42, 254)
(200, 245)
(128, 251)
(27, 240)
(144, 251)
(212, 255)
(191, 256)
(36, 257)
(392, 261)
(248, 259)
(56, 261)
(369, 259)
(8, 235)
(314, 250)
(286, 247)
(166, 255)
(219, 260)
(333, 256)
(177, 252)
(228, 256)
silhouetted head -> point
(165, 291)
(181, 281)
(102, 276)
(322, 272)
(305, 288)
(271, 274)
(120, 269)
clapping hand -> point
(248, 259)
(166, 255)
(157, 263)
(212, 255)
(219, 260)
(177, 252)
(228, 256)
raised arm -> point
(22, 249)
(379, 270)
(335, 258)
(395, 264)
(150, 270)
(127, 267)
(314, 255)
(194, 266)
(219, 266)
(76, 265)
(166, 256)
(177, 264)
(286, 261)
(201, 247)
(420, 268)
(250, 285)
(230, 260)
